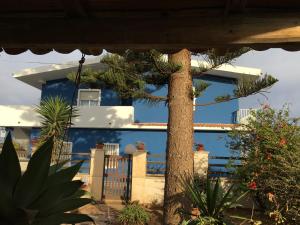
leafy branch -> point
(212, 59)
(137, 75)
(245, 88)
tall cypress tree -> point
(136, 75)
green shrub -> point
(44, 194)
(211, 199)
(270, 142)
(201, 221)
(133, 214)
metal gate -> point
(117, 177)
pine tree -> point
(136, 75)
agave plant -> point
(212, 200)
(201, 221)
(44, 194)
(55, 113)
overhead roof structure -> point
(168, 25)
(38, 76)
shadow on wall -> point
(96, 127)
(89, 117)
(85, 139)
(104, 117)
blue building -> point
(117, 122)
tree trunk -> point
(180, 136)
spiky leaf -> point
(54, 194)
(34, 178)
(64, 175)
(65, 206)
(10, 173)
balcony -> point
(242, 115)
(90, 117)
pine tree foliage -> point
(212, 60)
(199, 88)
(245, 88)
(137, 75)
(88, 77)
(249, 87)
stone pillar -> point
(139, 164)
(201, 163)
(96, 173)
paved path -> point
(102, 214)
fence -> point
(223, 166)
(156, 164)
(80, 156)
(70, 158)
(218, 166)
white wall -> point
(104, 117)
(18, 116)
(94, 117)
(154, 189)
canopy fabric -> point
(169, 25)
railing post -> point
(139, 164)
(96, 173)
(201, 163)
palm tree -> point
(56, 116)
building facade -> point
(105, 117)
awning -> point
(169, 25)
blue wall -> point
(65, 88)
(62, 87)
(155, 140)
(219, 113)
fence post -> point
(96, 173)
(201, 163)
(139, 164)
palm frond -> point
(55, 114)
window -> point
(89, 97)
(111, 149)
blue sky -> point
(282, 64)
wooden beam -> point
(256, 30)
(74, 8)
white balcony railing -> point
(242, 115)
